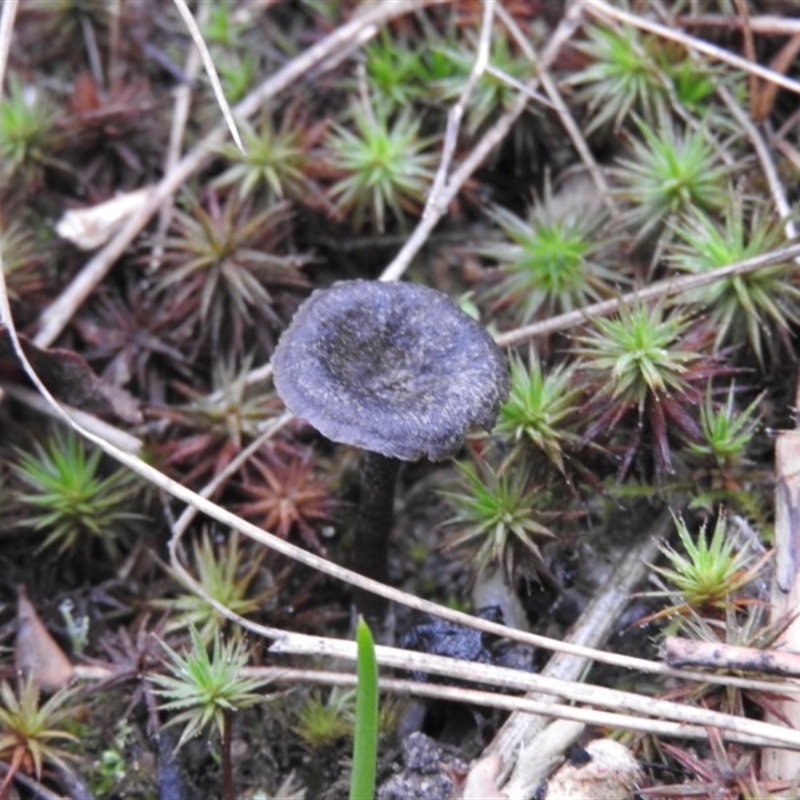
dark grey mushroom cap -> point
(394, 368)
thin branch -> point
(589, 694)
(680, 652)
(120, 438)
(7, 17)
(180, 117)
(436, 691)
(456, 113)
(763, 23)
(233, 466)
(663, 288)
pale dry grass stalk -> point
(590, 695)
(764, 154)
(180, 118)
(211, 71)
(116, 436)
(7, 17)
(778, 764)
(767, 24)
(457, 694)
(456, 113)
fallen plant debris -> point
(601, 194)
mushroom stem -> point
(377, 478)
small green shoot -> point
(225, 258)
(68, 498)
(536, 414)
(622, 78)
(203, 688)
(669, 173)
(324, 720)
(30, 731)
(638, 351)
(27, 134)
(743, 308)
(651, 368)
(206, 690)
(727, 433)
(227, 573)
(273, 162)
(552, 261)
(496, 516)
(632, 73)
(365, 739)
(707, 574)
(385, 166)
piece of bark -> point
(481, 783)
(91, 227)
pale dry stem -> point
(456, 113)
(415, 689)
(211, 71)
(776, 188)
(180, 118)
(668, 287)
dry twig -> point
(680, 652)
(661, 289)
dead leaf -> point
(91, 227)
(37, 652)
(70, 379)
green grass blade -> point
(365, 744)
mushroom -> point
(397, 370)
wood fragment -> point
(778, 764)
(680, 652)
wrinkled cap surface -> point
(394, 368)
